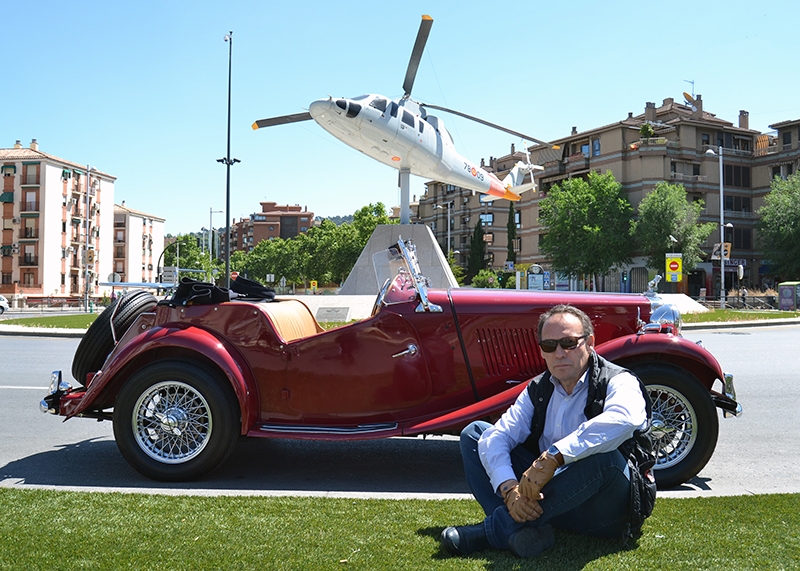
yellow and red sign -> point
(674, 267)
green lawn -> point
(97, 531)
(67, 321)
(718, 315)
(82, 321)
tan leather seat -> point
(291, 319)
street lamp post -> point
(448, 225)
(722, 227)
(211, 212)
(227, 161)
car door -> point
(361, 370)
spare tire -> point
(98, 341)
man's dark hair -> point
(586, 323)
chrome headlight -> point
(666, 316)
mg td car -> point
(181, 381)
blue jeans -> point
(590, 496)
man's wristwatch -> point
(554, 452)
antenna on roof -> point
(690, 98)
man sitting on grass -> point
(572, 452)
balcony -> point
(690, 178)
(28, 261)
(29, 233)
(27, 206)
(739, 214)
(728, 152)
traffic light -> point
(624, 276)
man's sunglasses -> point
(567, 343)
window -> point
(120, 252)
(787, 140)
(6, 278)
(393, 109)
(596, 148)
(735, 175)
(8, 223)
(585, 149)
(737, 203)
(27, 279)
(517, 219)
(706, 139)
(408, 118)
(378, 103)
(742, 238)
(487, 219)
(30, 174)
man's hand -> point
(520, 508)
(535, 477)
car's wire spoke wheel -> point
(674, 425)
(172, 422)
(176, 419)
(685, 425)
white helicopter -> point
(400, 133)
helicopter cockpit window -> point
(421, 125)
(393, 107)
(353, 110)
(378, 103)
(341, 104)
(408, 119)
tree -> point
(779, 226)
(367, 219)
(511, 225)
(486, 279)
(666, 212)
(187, 254)
(588, 225)
(458, 271)
(476, 261)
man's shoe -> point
(531, 541)
(463, 540)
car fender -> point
(668, 348)
(186, 342)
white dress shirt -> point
(565, 426)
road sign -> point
(270, 278)
(169, 274)
(509, 266)
(283, 281)
(313, 285)
(674, 267)
(547, 279)
(234, 275)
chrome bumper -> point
(730, 392)
(58, 388)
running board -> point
(322, 430)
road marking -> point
(31, 388)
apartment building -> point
(684, 148)
(138, 243)
(56, 226)
(274, 221)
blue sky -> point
(139, 89)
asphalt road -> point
(757, 453)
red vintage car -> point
(181, 382)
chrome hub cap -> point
(172, 422)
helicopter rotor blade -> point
(282, 120)
(487, 123)
(416, 54)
